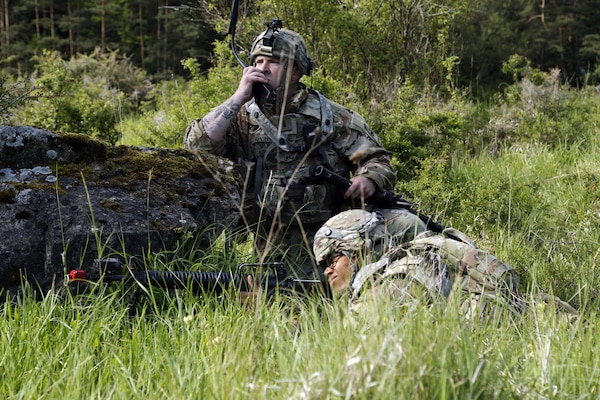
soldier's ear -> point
(296, 73)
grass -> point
(533, 203)
(542, 205)
(179, 347)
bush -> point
(534, 207)
(538, 108)
(88, 94)
(418, 125)
(170, 107)
(12, 96)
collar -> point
(365, 273)
(298, 98)
(293, 105)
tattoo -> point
(221, 116)
(228, 109)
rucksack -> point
(473, 271)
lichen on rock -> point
(66, 198)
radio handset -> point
(264, 95)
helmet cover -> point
(284, 45)
(349, 231)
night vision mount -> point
(263, 94)
(272, 27)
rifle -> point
(385, 199)
(270, 276)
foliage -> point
(354, 42)
(420, 124)
(546, 205)
(538, 108)
(540, 201)
(172, 106)
(484, 35)
(89, 94)
(516, 170)
(12, 96)
(523, 178)
(156, 35)
(180, 346)
(364, 43)
(557, 33)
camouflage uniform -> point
(276, 153)
(430, 265)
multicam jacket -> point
(439, 267)
(349, 147)
(275, 154)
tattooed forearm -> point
(218, 120)
(228, 109)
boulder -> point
(67, 199)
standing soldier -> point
(278, 137)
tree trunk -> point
(158, 37)
(6, 26)
(102, 27)
(165, 40)
(52, 33)
(37, 19)
(71, 36)
(141, 25)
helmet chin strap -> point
(285, 86)
(365, 274)
(353, 263)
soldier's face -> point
(274, 70)
(339, 273)
(271, 68)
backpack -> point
(475, 273)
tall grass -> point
(536, 208)
(181, 347)
(534, 201)
(532, 204)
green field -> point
(518, 173)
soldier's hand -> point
(250, 75)
(361, 188)
(250, 297)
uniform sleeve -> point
(357, 143)
(232, 146)
(196, 139)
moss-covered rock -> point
(68, 199)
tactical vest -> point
(473, 270)
(439, 264)
(284, 150)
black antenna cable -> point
(233, 17)
(264, 95)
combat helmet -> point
(352, 231)
(283, 44)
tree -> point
(485, 35)
(372, 46)
(5, 28)
(556, 32)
